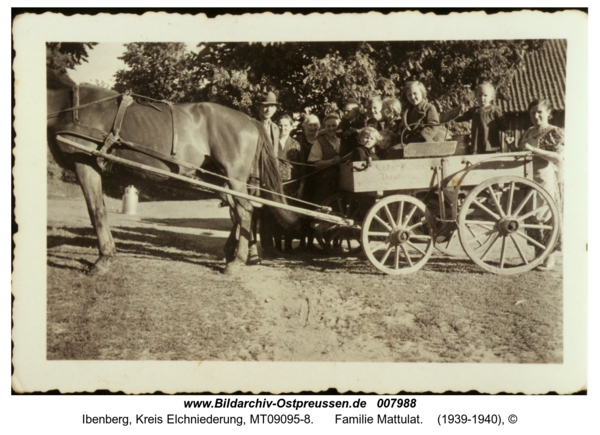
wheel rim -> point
(508, 225)
(341, 240)
(397, 235)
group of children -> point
(412, 118)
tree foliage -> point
(157, 70)
(62, 56)
(319, 76)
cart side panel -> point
(388, 175)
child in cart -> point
(368, 138)
(486, 121)
(420, 118)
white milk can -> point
(130, 200)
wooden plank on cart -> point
(390, 175)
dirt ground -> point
(167, 299)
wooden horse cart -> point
(429, 198)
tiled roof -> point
(544, 77)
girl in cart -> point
(368, 138)
(486, 121)
(420, 118)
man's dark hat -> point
(268, 99)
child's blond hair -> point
(488, 85)
(372, 130)
(408, 86)
(393, 104)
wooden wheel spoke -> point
(340, 206)
(407, 256)
(487, 210)
(476, 238)
(378, 234)
(379, 246)
(397, 258)
(510, 198)
(416, 248)
(386, 255)
(512, 237)
(354, 213)
(382, 222)
(418, 224)
(333, 236)
(481, 223)
(349, 241)
(409, 215)
(530, 240)
(522, 204)
(420, 236)
(538, 226)
(495, 200)
(503, 252)
(388, 213)
(400, 213)
(489, 249)
(532, 212)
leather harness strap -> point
(175, 137)
(76, 104)
(113, 136)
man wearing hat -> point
(267, 106)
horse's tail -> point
(271, 179)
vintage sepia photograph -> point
(372, 199)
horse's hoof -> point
(232, 269)
(101, 267)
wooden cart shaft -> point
(212, 187)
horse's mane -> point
(57, 80)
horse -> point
(198, 134)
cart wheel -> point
(397, 234)
(341, 240)
(499, 218)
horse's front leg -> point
(242, 210)
(253, 257)
(90, 179)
